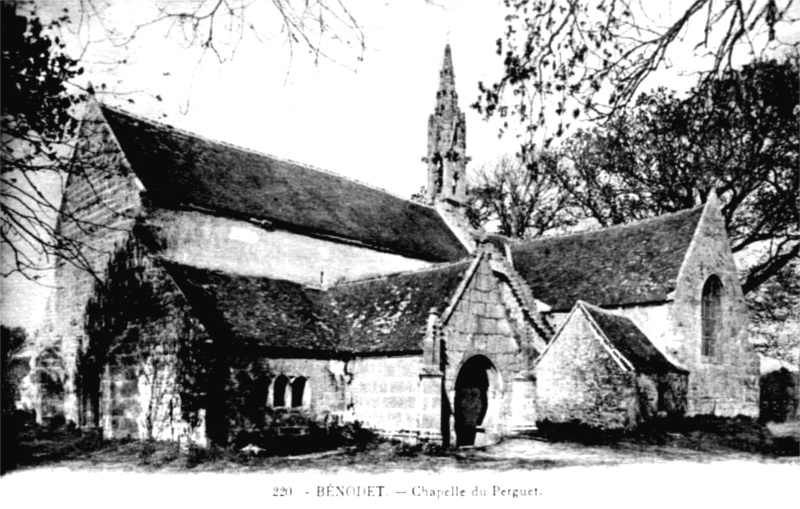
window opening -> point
(711, 311)
(279, 397)
(298, 387)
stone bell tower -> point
(447, 143)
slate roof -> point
(628, 264)
(180, 169)
(391, 313)
(630, 341)
(259, 312)
(383, 315)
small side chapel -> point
(236, 283)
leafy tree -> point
(14, 367)
(523, 200)
(41, 100)
(138, 327)
(38, 127)
(741, 137)
(574, 58)
(219, 26)
(775, 314)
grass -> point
(704, 433)
(696, 439)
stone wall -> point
(263, 394)
(486, 322)
(577, 379)
(238, 247)
(386, 393)
(382, 393)
(154, 374)
(100, 204)
(726, 384)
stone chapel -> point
(232, 283)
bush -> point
(405, 449)
(576, 431)
(294, 433)
(196, 455)
(779, 395)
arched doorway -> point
(473, 398)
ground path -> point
(515, 473)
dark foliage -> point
(700, 432)
(41, 445)
(741, 137)
(521, 198)
(291, 432)
(38, 134)
(136, 320)
(778, 399)
(576, 431)
(13, 369)
(775, 314)
(573, 59)
(402, 449)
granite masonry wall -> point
(727, 383)
(485, 322)
(280, 396)
(154, 379)
(386, 394)
(383, 393)
(100, 204)
(577, 379)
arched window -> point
(279, 388)
(711, 312)
(298, 387)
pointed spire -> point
(447, 76)
(447, 131)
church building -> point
(229, 285)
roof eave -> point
(271, 224)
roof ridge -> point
(368, 279)
(615, 227)
(228, 273)
(594, 307)
(259, 153)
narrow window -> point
(711, 311)
(298, 387)
(279, 397)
